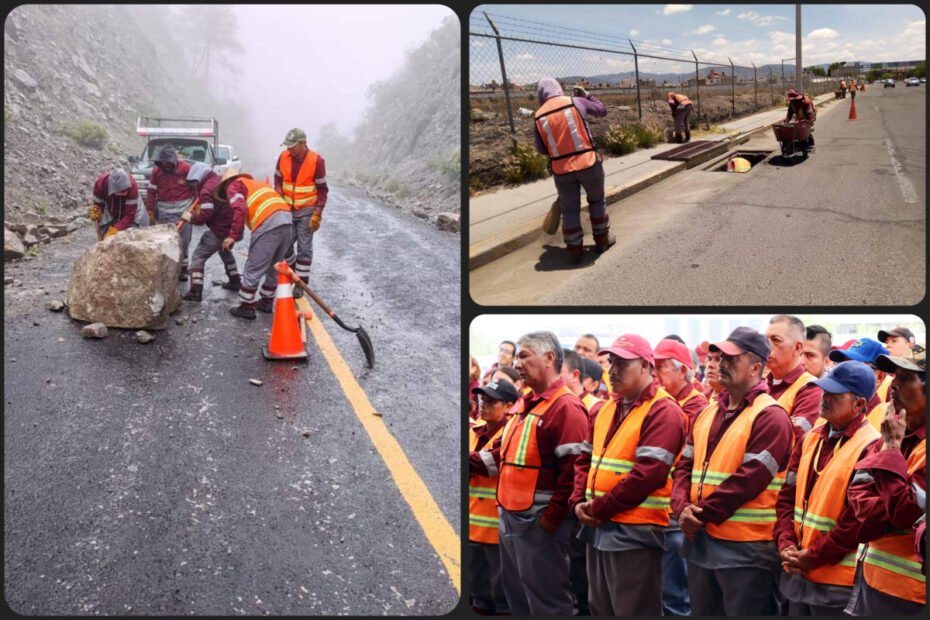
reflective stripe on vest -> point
(755, 519)
(565, 135)
(613, 461)
(520, 458)
(300, 192)
(262, 201)
(891, 564)
(482, 498)
(827, 500)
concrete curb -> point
(492, 249)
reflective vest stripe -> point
(653, 501)
(895, 564)
(753, 515)
(566, 136)
(302, 191)
(482, 492)
(262, 202)
(716, 478)
(573, 129)
(550, 139)
(480, 521)
(823, 524)
(482, 498)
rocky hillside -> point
(407, 149)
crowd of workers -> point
(770, 473)
(189, 194)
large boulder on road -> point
(12, 246)
(129, 280)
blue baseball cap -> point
(850, 376)
(863, 350)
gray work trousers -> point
(625, 583)
(534, 566)
(681, 115)
(487, 590)
(304, 238)
(743, 591)
(805, 609)
(209, 245)
(867, 601)
(265, 250)
(186, 232)
(569, 188)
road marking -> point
(414, 491)
(907, 188)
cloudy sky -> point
(747, 33)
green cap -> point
(294, 136)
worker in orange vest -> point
(562, 133)
(622, 484)
(725, 484)
(536, 462)
(300, 178)
(487, 590)
(788, 382)
(888, 495)
(816, 530)
(866, 350)
(681, 109)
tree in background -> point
(336, 146)
(212, 33)
(818, 71)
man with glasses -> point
(726, 483)
(816, 530)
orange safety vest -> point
(262, 202)
(300, 193)
(890, 564)
(565, 134)
(482, 503)
(589, 400)
(884, 388)
(817, 515)
(615, 460)
(877, 414)
(754, 520)
(786, 400)
(520, 458)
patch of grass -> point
(33, 251)
(86, 133)
(7, 114)
(450, 165)
(647, 136)
(620, 139)
(393, 186)
(42, 207)
(528, 165)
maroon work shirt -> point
(806, 408)
(122, 209)
(165, 187)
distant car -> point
(889, 83)
(912, 81)
(228, 153)
(923, 80)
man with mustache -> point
(726, 482)
(788, 382)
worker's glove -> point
(579, 91)
(187, 216)
(112, 230)
(228, 243)
(152, 213)
(95, 213)
(315, 220)
(195, 209)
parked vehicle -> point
(227, 152)
(889, 83)
(912, 81)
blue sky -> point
(747, 32)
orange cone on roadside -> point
(852, 111)
(287, 339)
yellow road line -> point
(414, 491)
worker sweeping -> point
(116, 204)
(220, 218)
(681, 109)
(269, 219)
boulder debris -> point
(144, 337)
(12, 246)
(94, 330)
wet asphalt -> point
(155, 479)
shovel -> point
(359, 331)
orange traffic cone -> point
(287, 339)
(852, 111)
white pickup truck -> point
(227, 152)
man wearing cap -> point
(169, 196)
(622, 484)
(900, 341)
(535, 462)
(487, 591)
(816, 350)
(816, 530)
(788, 382)
(116, 203)
(220, 218)
(271, 241)
(300, 178)
(725, 486)
(888, 495)
(866, 350)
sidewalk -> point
(507, 219)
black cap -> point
(498, 390)
(743, 340)
(889, 364)
(903, 332)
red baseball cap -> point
(844, 346)
(630, 347)
(673, 350)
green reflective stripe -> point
(299, 188)
(587, 495)
(266, 202)
(849, 560)
(520, 459)
(776, 484)
(654, 502)
(753, 515)
(483, 521)
(716, 478)
(615, 465)
(895, 564)
(813, 521)
(482, 492)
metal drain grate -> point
(694, 153)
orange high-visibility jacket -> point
(884, 388)
(520, 458)
(482, 503)
(300, 193)
(890, 564)
(566, 136)
(786, 400)
(877, 414)
(589, 400)
(817, 515)
(754, 520)
(262, 201)
(612, 462)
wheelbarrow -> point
(839, 94)
(793, 136)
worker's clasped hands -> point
(690, 525)
(583, 512)
(794, 560)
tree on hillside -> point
(336, 146)
(212, 36)
(819, 71)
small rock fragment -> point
(94, 330)
(255, 381)
(55, 305)
(144, 337)
(306, 434)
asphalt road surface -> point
(155, 479)
(845, 227)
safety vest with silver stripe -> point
(565, 134)
(299, 192)
(482, 502)
(786, 400)
(262, 202)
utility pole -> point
(798, 75)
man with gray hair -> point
(788, 382)
(116, 204)
(536, 462)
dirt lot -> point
(489, 131)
